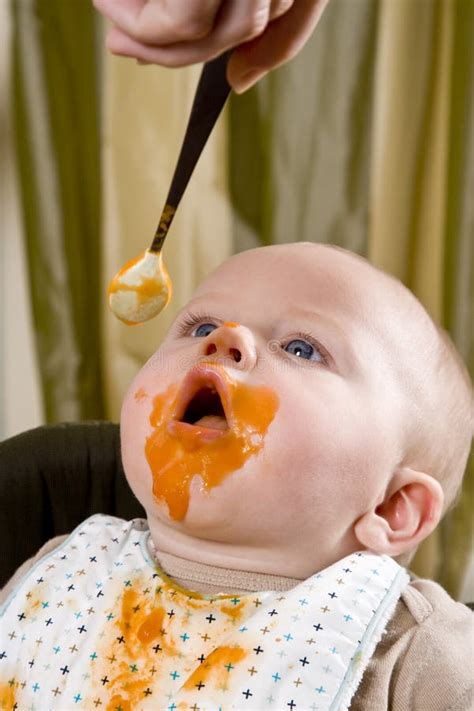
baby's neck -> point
(216, 563)
(212, 580)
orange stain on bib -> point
(176, 456)
(140, 625)
(215, 664)
(7, 695)
(147, 644)
(233, 611)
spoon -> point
(142, 288)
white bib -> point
(95, 625)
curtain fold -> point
(19, 381)
(57, 138)
(300, 140)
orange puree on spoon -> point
(177, 451)
(141, 289)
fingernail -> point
(247, 80)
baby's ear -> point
(409, 512)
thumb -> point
(281, 41)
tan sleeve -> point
(20, 572)
(423, 661)
(436, 671)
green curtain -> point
(55, 87)
(300, 140)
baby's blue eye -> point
(204, 329)
(302, 349)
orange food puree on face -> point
(140, 395)
(175, 458)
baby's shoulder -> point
(435, 613)
(435, 668)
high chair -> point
(51, 479)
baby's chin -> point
(217, 513)
(207, 511)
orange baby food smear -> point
(141, 624)
(215, 664)
(118, 702)
(231, 324)
(140, 395)
(145, 626)
(233, 611)
(146, 289)
(7, 695)
(175, 459)
(128, 265)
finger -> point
(279, 7)
(235, 24)
(177, 55)
(161, 22)
(240, 21)
(280, 42)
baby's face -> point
(271, 415)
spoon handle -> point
(211, 94)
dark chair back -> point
(54, 477)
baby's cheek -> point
(135, 428)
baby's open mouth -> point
(203, 405)
(205, 409)
(206, 426)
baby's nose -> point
(233, 341)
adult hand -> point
(175, 33)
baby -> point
(302, 428)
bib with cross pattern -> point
(95, 625)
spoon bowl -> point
(141, 289)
